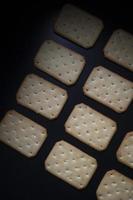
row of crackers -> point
(86, 124)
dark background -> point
(24, 26)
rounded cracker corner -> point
(102, 24)
(104, 51)
(98, 66)
(73, 82)
(55, 27)
(35, 61)
(10, 111)
(119, 111)
(34, 154)
(84, 88)
(83, 186)
(65, 126)
(55, 17)
(30, 74)
(117, 30)
(118, 152)
(27, 77)
(49, 41)
(69, 6)
(84, 60)
(78, 105)
(110, 172)
(70, 83)
(58, 142)
(53, 117)
(86, 46)
(95, 68)
(45, 132)
(24, 79)
(31, 156)
(116, 126)
(129, 134)
(97, 192)
(102, 148)
(17, 97)
(45, 163)
(96, 163)
(65, 92)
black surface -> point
(25, 27)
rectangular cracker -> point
(114, 186)
(70, 164)
(21, 133)
(109, 89)
(59, 62)
(41, 96)
(119, 48)
(125, 151)
(90, 126)
(78, 26)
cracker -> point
(119, 49)
(115, 186)
(125, 151)
(109, 89)
(90, 126)
(21, 133)
(41, 96)
(70, 164)
(78, 26)
(59, 62)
